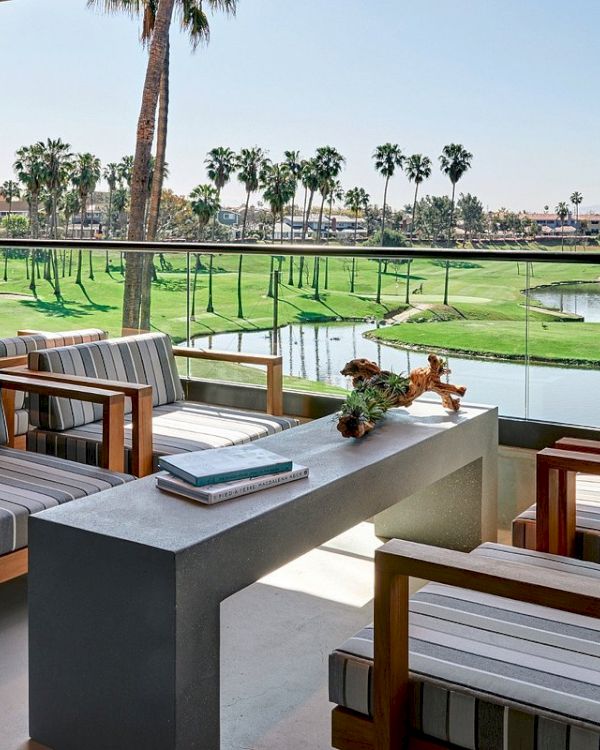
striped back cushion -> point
(147, 358)
(17, 346)
(3, 427)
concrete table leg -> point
(149, 639)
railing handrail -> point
(296, 249)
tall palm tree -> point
(576, 199)
(221, 163)
(357, 199)
(9, 190)
(417, 169)
(388, 158)
(328, 163)
(249, 163)
(336, 194)
(57, 162)
(85, 177)
(309, 178)
(562, 211)
(278, 185)
(204, 200)
(29, 168)
(294, 164)
(455, 160)
(111, 175)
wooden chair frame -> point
(15, 563)
(395, 562)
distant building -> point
(229, 218)
(588, 223)
(19, 208)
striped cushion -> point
(147, 358)
(30, 483)
(588, 521)
(176, 428)
(489, 672)
(16, 346)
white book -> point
(216, 493)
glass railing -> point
(519, 329)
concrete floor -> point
(276, 637)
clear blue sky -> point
(515, 81)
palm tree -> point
(309, 178)
(57, 162)
(249, 165)
(221, 163)
(576, 199)
(455, 160)
(111, 175)
(328, 164)
(9, 190)
(294, 164)
(562, 211)
(86, 175)
(278, 185)
(417, 169)
(388, 158)
(357, 199)
(336, 194)
(29, 169)
(204, 200)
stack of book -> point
(219, 474)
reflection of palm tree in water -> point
(239, 341)
(302, 354)
(408, 367)
(317, 362)
(328, 355)
(354, 354)
(291, 349)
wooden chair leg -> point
(13, 564)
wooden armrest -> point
(113, 407)
(578, 445)
(396, 561)
(272, 362)
(141, 410)
(556, 501)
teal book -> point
(219, 465)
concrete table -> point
(125, 586)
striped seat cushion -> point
(147, 358)
(489, 672)
(588, 521)
(16, 346)
(30, 483)
(176, 428)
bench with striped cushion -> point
(19, 346)
(30, 482)
(489, 673)
(71, 429)
(587, 521)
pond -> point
(319, 351)
(582, 299)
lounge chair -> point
(164, 424)
(30, 482)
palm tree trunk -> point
(10, 232)
(139, 181)
(32, 282)
(447, 276)
(35, 218)
(194, 284)
(6, 265)
(385, 190)
(240, 310)
(91, 265)
(307, 217)
(412, 234)
(301, 272)
(271, 269)
(209, 306)
(245, 215)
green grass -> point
(567, 343)
(486, 312)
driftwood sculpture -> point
(378, 390)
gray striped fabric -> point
(21, 345)
(490, 673)
(30, 483)
(176, 428)
(588, 521)
(147, 358)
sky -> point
(514, 81)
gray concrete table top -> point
(141, 513)
(125, 586)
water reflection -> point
(319, 351)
